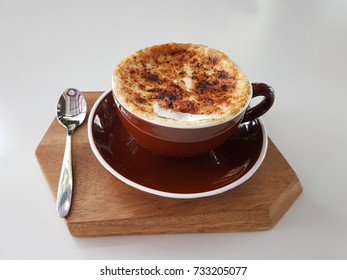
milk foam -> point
(179, 116)
(188, 82)
(181, 85)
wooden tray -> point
(103, 205)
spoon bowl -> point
(71, 112)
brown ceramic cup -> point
(191, 140)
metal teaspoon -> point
(71, 112)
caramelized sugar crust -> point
(182, 78)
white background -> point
(298, 47)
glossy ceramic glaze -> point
(214, 172)
(180, 142)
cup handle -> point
(260, 89)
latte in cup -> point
(181, 85)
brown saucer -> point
(218, 171)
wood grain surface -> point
(103, 205)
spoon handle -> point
(64, 194)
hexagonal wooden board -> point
(103, 205)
